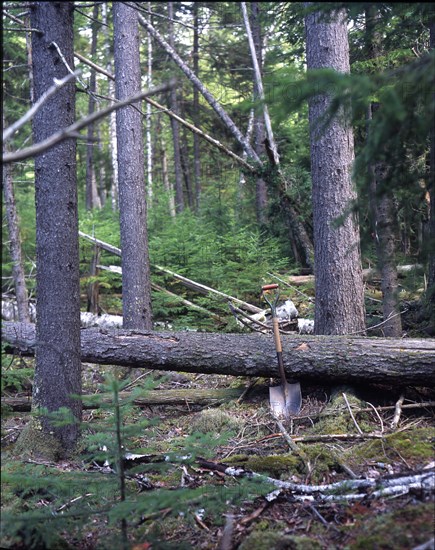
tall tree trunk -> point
(136, 287)
(259, 132)
(58, 367)
(13, 223)
(430, 294)
(382, 207)
(113, 143)
(101, 169)
(149, 141)
(92, 196)
(196, 114)
(339, 307)
(173, 105)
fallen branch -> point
(193, 396)
(374, 488)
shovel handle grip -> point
(269, 287)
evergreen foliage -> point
(50, 507)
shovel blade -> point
(285, 400)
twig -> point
(246, 390)
(342, 464)
(391, 316)
(378, 415)
(338, 437)
(351, 414)
(397, 412)
(309, 298)
(292, 444)
(200, 522)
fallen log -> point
(196, 396)
(368, 274)
(328, 359)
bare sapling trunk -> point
(14, 235)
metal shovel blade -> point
(285, 400)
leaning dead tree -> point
(330, 359)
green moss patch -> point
(404, 528)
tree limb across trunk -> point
(328, 359)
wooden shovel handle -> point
(269, 287)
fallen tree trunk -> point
(196, 396)
(307, 358)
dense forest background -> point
(206, 218)
(163, 164)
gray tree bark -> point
(136, 287)
(326, 359)
(339, 305)
(430, 295)
(58, 367)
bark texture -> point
(327, 359)
(58, 367)
(431, 271)
(339, 285)
(136, 288)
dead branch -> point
(72, 130)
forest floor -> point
(226, 475)
(180, 494)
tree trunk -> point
(339, 307)
(259, 132)
(326, 359)
(13, 222)
(430, 294)
(93, 290)
(58, 367)
(383, 211)
(196, 114)
(112, 117)
(92, 196)
(148, 120)
(136, 288)
(384, 220)
(173, 105)
(165, 177)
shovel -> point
(286, 399)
